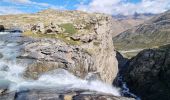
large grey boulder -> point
(148, 74)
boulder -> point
(1, 56)
(2, 28)
(38, 28)
(53, 29)
(148, 74)
(84, 38)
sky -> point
(113, 7)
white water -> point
(125, 89)
(4, 32)
(11, 75)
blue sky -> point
(103, 6)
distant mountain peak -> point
(136, 15)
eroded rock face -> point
(148, 74)
(84, 50)
(49, 56)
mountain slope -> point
(152, 33)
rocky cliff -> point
(76, 41)
(148, 74)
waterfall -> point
(11, 72)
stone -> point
(51, 28)
(39, 28)
(2, 28)
(4, 68)
(50, 94)
(54, 29)
(84, 38)
(1, 56)
(8, 96)
(148, 74)
(100, 97)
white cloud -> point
(123, 7)
(28, 2)
(18, 1)
(19, 4)
(9, 10)
(35, 4)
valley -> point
(75, 55)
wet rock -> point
(50, 94)
(100, 97)
(7, 96)
(92, 77)
(122, 61)
(148, 74)
(3, 91)
(1, 56)
(2, 28)
(37, 68)
(4, 68)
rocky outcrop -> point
(84, 37)
(81, 51)
(100, 97)
(122, 61)
(152, 33)
(2, 28)
(52, 28)
(50, 94)
(1, 56)
(148, 74)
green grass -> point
(62, 37)
(29, 33)
(69, 28)
(96, 43)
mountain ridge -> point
(152, 33)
